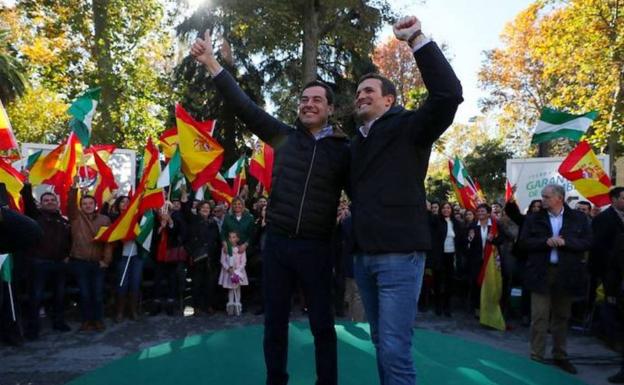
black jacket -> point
(604, 260)
(308, 174)
(388, 167)
(439, 230)
(203, 236)
(17, 231)
(56, 242)
(474, 248)
(572, 271)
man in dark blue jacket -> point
(309, 172)
(389, 160)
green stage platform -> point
(234, 357)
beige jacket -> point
(83, 229)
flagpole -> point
(11, 301)
(123, 276)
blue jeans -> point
(390, 286)
(90, 278)
(132, 280)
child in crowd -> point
(233, 274)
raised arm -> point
(265, 126)
(445, 91)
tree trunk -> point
(614, 116)
(311, 38)
(106, 129)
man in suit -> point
(389, 159)
(607, 256)
(555, 240)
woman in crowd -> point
(446, 235)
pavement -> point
(56, 358)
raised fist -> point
(405, 27)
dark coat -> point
(439, 230)
(56, 241)
(17, 231)
(572, 271)
(202, 235)
(245, 227)
(308, 174)
(604, 260)
(389, 166)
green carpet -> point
(234, 357)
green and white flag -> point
(146, 232)
(556, 124)
(171, 172)
(6, 267)
(82, 110)
(236, 168)
(460, 173)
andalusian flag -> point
(171, 172)
(168, 141)
(7, 139)
(585, 171)
(220, 190)
(146, 230)
(491, 282)
(261, 165)
(467, 191)
(14, 182)
(6, 267)
(237, 172)
(201, 154)
(32, 159)
(554, 124)
(82, 110)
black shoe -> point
(537, 359)
(61, 327)
(259, 311)
(617, 378)
(14, 339)
(31, 335)
(565, 365)
(170, 308)
(156, 309)
(447, 313)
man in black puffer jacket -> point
(310, 170)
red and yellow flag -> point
(125, 227)
(583, 169)
(7, 139)
(151, 166)
(261, 165)
(44, 167)
(491, 281)
(105, 184)
(467, 191)
(168, 141)
(201, 154)
(14, 182)
(220, 189)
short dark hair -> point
(387, 87)
(329, 93)
(87, 196)
(534, 202)
(48, 193)
(584, 203)
(615, 192)
(485, 206)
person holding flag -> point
(309, 172)
(555, 239)
(89, 259)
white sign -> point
(122, 162)
(532, 174)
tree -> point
(438, 187)
(12, 79)
(487, 164)
(122, 46)
(568, 55)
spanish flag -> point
(168, 141)
(220, 189)
(125, 227)
(45, 166)
(105, 184)
(261, 165)
(151, 165)
(491, 281)
(7, 139)
(14, 181)
(201, 154)
(583, 169)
